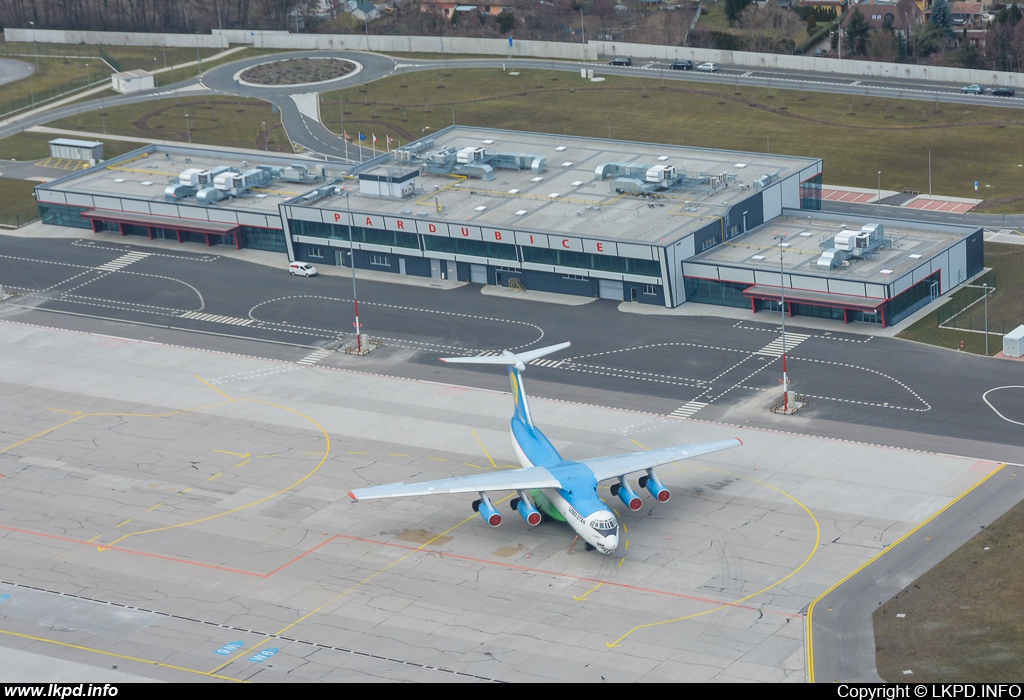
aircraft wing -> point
(504, 480)
(620, 465)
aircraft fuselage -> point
(577, 500)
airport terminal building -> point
(639, 222)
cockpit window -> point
(604, 526)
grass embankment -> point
(1005, 307)
(962, 619)
(231, 122)
(65, 68)
(855, 135)
(32, 146)
(17, 203)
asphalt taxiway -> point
(181, 514)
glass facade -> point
(913, 299)
(63, 215)
(591, 261)
(481, 249)
(271, 239)
(813, 310)
(375, 236)
(810, 193)
(717, 292)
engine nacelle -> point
(657, 489)
(487, 511)
(526, 509)
(626, 495)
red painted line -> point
(587, 579)
(165, 557)
(304, 554)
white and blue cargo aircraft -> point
(560, 489)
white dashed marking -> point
(775, 348)
(123, 261)
(688, 409)
(314, 357)
(214, 318)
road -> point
(12, 70)
(869, 389)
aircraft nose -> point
(612, 542)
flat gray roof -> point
(144, 175)
(567, 198)
(759, 250)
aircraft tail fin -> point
(516, 363)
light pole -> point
(155, 76)
(188, 131)
(35, 46)
(768, 143)
(781, 238)
(583, 31)
(88, 79)
(879, 201)
(263, 133)
(609, 128)
(985, 286)
(929, 171)
(352, 262)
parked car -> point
(301, 268)
(621, 61)
(1003, 91)
(974, 89)
(708, 67)
(820, 52)
(682, 65)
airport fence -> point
(12, 221)
(963, 310)
(39, 97)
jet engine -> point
(525, 508)
(657, 489)
(626, 494)
(487, 511)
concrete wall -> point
(60, 36)
(819, 65)
(499, 48)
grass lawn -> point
(1005, 307)
(17, 203)
(855, 135)
(55, 76)
(130, 57)
(32, 146)
(231, 122)
(66, 68)
(963, 620)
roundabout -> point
(297, 72)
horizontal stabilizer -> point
(518, 360)
(621, 465)
(504, 480)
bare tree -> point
(769, 29)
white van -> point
(301, 268)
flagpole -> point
(341, 107)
